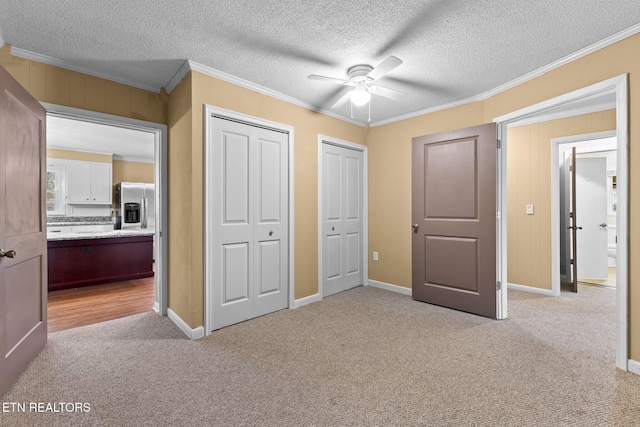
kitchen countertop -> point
(98, 234)
(76, 223)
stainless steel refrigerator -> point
(135, 206)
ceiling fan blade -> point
(327, 79)
(384, 67)
(340, 102)
(386, 92)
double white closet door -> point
(249, 217)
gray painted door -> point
(23, 238)
(250, 221)
(342, 219)
(454, 219)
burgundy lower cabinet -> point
(83, 262)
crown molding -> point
(189, 66)
(634, 29)
(604, 106)
(174, 81)
(133, 159)
(58, 147)
(428, 111)
(72, 66)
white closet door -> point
(250, 224)
(342, 219)
(271, 214)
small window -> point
(55, 190)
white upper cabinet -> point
(89, 183)
(101, 183)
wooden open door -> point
(454, 219)
(23, 238)
(573, 227)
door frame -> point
(159, 132)
(364, 252)
(208, 111)
(617, 86)
(555, 198)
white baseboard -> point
(389, 287)
(156, 307)
(193, 334)
(531, 289)
(306, 300)
(633, 366)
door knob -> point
(603, 225)
(415, 228)
(9, 254)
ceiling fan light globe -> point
(360, 96)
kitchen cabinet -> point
(89, 183)
(82, 262)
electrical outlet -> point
(529, 209)
(375, 256)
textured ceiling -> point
(452, 49)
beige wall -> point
(186, 181)
(185, 292)
(126, 171)
(390, 188)
(55, 85)
(390, 161)
(529, 183)
(56, 153)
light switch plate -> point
(529, 209)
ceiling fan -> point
(361, 78)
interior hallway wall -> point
(529, 183)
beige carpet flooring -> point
(366, 357)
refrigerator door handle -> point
(143, 213)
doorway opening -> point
(137, 152)
(596, 156)
(569, 105)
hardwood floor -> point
(609, 281)
(71, 308)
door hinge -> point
(571, 261)
(498, 285)
(498, 215)
(499, 143)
